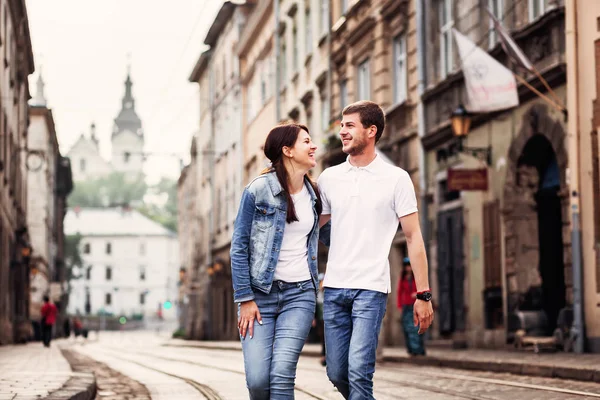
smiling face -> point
(355, 138)
(302, 154)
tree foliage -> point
(158, 202)
(73, 257)
(115, 188)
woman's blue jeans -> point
(271, 356)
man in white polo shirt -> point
(365, 198)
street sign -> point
(467, 179)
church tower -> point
(128, 136)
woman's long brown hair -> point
(281, 136)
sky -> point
(83, 48)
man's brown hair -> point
(370, 113)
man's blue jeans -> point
(352, 323)
(271, 356)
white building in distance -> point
(131, 264)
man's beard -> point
(357, 148)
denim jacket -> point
(258, 234)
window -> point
(88, 273)
(343, 94)
(108, 248)
(344, 6)
(142, 298)
(446, 23)
(126, 156)
(282, 63)
(324, 113)
(87, 248)
(108, 273)
(295, 55)
(537, 8)
(364, 81)
(308, 30)
(400, 70)
(263, 84)
(142, 248)
(108, 299)
(142, 273)
(82, 165)
(324, 17)
(497, 8)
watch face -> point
(425, 296)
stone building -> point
(187, 230)
(15, 45)
(506, 249)
(48, 184)
(222, 103)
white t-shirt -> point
(293, 256)
(365, 204)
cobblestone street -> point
(195, 373)
(148, 365)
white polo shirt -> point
(365, 204)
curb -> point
(539, 370)
(81, 386)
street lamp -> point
(461, 124)
(461, 121)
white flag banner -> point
(490, 85)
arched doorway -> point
(535, 212)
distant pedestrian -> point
(406, 296)
(48, 312)
(274, 263)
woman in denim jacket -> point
(274, 263)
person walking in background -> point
(407, 294)
(49, 312)
(365, 198)
(274, 263)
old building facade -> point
(218, 73)
(48, 184)
(14, 119)
(504, 250)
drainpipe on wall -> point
(421, 78)
(277, 71)
(578, 328)
(211, 174)
(329, 72)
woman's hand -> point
(248, 313)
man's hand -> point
(423, 315)
(248, 313)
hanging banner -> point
(490, 85)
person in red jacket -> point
(407, 293)
(48, 312)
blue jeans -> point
(352, 322)
(414, 341)
(271, 356)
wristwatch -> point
(424, 295)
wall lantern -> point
(461, 125)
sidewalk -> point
(582, 367)
(32, 371)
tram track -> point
(206, 390)
(420, 385)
